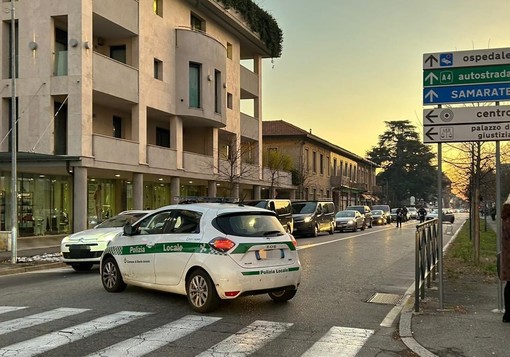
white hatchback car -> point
(206, 251)
(83, 249)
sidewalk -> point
(468, 325)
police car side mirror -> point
(129, 230)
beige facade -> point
(140, 96)
(324, 170)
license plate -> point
(270, 254)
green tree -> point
(406, 164)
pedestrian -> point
(400, 216)
(504, 271)
(422, 213)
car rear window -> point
(249, 225)
(303, 207)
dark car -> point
(365, 212)
(386, 209)
(313, 217)
(282, 208)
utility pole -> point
(14, 143)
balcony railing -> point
(115, 78)
(161, 157)
(197, 163)
(110, 149)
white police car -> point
(207, 251)
(83, 249)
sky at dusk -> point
(348, 66)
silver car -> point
(349, 220)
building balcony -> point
(249, 127)
(108, 15)
(113, 150)
(249, 84)
(197, 163)
(197, 47)
(115, 78)
(161, 158)
(341, 181)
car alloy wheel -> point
(201, 292)
(111, 277)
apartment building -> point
(129, 104)
(322, 170)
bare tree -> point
(276, 162)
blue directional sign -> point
(466, 93)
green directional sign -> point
(466, 75)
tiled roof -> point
(280, 127)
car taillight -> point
(294, 241)
(222, 244)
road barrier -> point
(426, 258)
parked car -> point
(313, 217)
(349, 220)
(206, 251)
(365, 212)
(83, 249)
(447, 216)
(412, 212)
(386, 209)
(282, 208)
(378, 217)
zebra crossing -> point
(338, 341)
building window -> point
(158, 69)
(306, 161)
(229, 50)
(162, 137)
(117, 127)
(229, 100)
(194, 85)
(9, 119)
(118, 53)
(157, 7)
(60, 52)
(314, 162)
(217, 92)
(197, 23)
(328, 166)
(60, 129)
(321, 163)
(334, 167)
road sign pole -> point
(440, 223)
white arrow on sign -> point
(431, 77)
(431, 95)
(471, 115)
(467, 132)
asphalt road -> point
(331, 311)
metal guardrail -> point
(426, 258)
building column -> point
(211, 189)
(80, 194)
(236, 191)
(138, 191)
(175, 189)
(256, 192)
(177, 142)
(292, 194)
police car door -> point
(176, 246)
(137, 261)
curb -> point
(17, 269)
(406, 334)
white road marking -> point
(5, 309)
(247, 340)
(149, 341)
(53, 340)
(37, 319)
(339, 342)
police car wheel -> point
(283, 295)
(82, 266)
(201, 292)
(111, 277)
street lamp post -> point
(14, 144)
